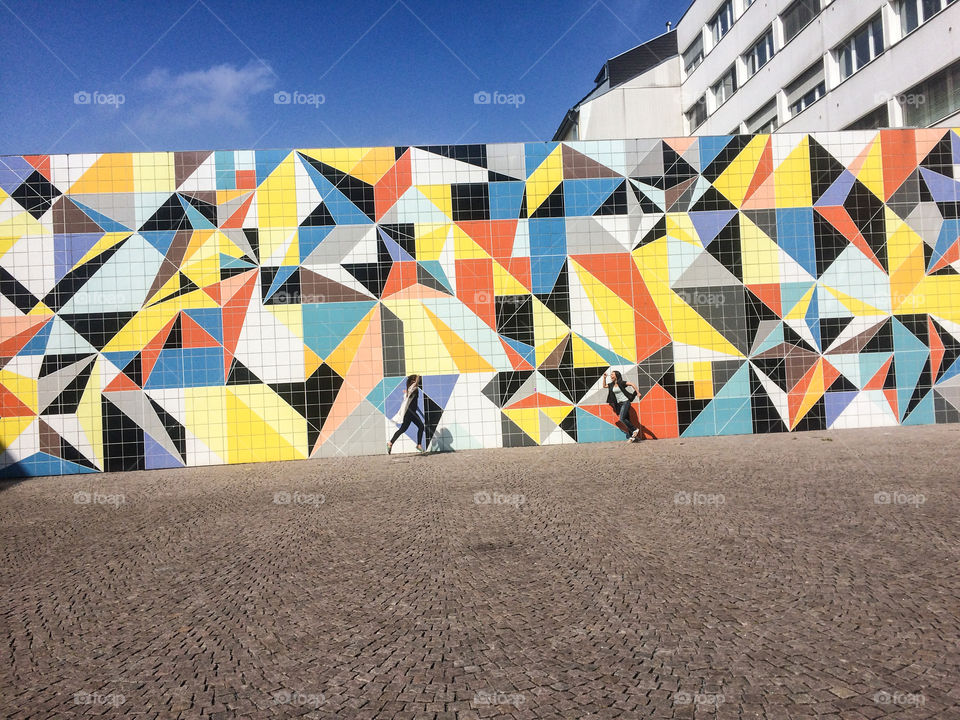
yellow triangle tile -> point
(616, 317)
(813, 394)
(506, 284)
(440, 196)
(90, 414)
(855, 306)
(342, 356)
(292, 258)
(225, 196)
(653, 261)
(264, 426)
(760, 256)
(153, 172)
(527, 419)
(545, 179)
(206, 417)
(464, 356)
(40, 309)
(290, 316)
(25, 388)
(734, 182)
(464, 247)
(584, 355)
(937, 295)
(12, 427)
(104, 243)
(547, 329)
(276, 197)
(543, 349)
(680, 226)
(557, 413)
(799, 311)
(110, 173)
(871, 173)
(431, 239)
(423, 348)
(201, 246)
(311, 361)
(274, 242)
(792, 178)
(374, 165)
(343, 159)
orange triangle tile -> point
(769, 295)
(121, 382)
(194, 336)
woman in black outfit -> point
(620, 396)
(412, 395)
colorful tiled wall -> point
(192, 308)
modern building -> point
(756, 66)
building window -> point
(758, 56)
(722, 22)
(697, 114)
(797, 16)
(764, 120)
(877, 118)
(934, 99)
(914, 13)
(805, 90)
(860, 48)
(693, 55)
(725, 86)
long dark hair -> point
(411, 379)
(618, 379)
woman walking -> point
(408, 413)
(620, 396)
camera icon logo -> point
(82, 498)
(281, 97)
(81, 98)
(881, 498)
(482, 297)
(481, 98)
(482, 497)
(282, 498)
(682, 698)
(681, 498)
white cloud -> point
(220, 94)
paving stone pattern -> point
(735, 577)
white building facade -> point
(755, 66)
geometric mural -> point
(190, 308)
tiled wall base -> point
(192, 308)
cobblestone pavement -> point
(758, 576)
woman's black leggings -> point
(410, 417)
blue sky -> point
(208, 74)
